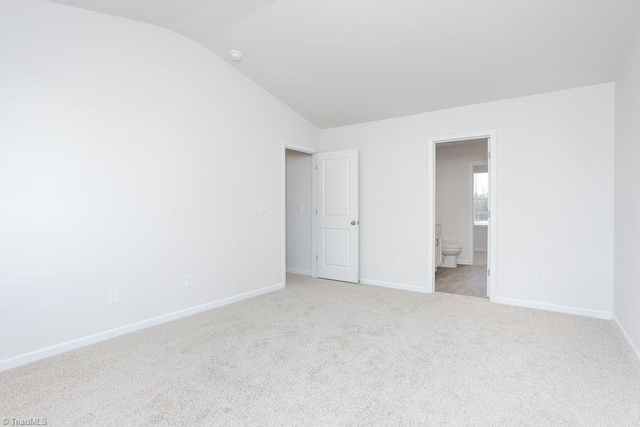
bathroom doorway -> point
(461, 216)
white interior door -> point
(338, 222)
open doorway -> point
(320, 198)
(461, 215)
(298, 209)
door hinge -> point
(489, 154)
(488, 272)
(316, 257)
(316, 211)
(316, 167)
(489, 215)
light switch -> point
(300, 209)
(263, 209)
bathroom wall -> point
(453, 192)
(480, 237)
(298, 209)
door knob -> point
(353, 223)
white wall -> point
(626, 307)
(130, 156)
(480, 238)
(454, 207)
(298, 207)
(548, 147)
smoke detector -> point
(236, 55)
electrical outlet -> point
(539, 276)
(114, 296)
(397, 263)
(188, 281)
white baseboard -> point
(53, 350)
(553, 307)
(296, 271)
(625, 336)
(395, 286)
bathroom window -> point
(481, 198)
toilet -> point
(450, 251)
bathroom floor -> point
(465, 279)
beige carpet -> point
(328, 353)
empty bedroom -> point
(301, 212)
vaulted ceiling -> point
(340, 62)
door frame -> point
(490, 135)
(283, 185)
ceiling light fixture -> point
(236, 55)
